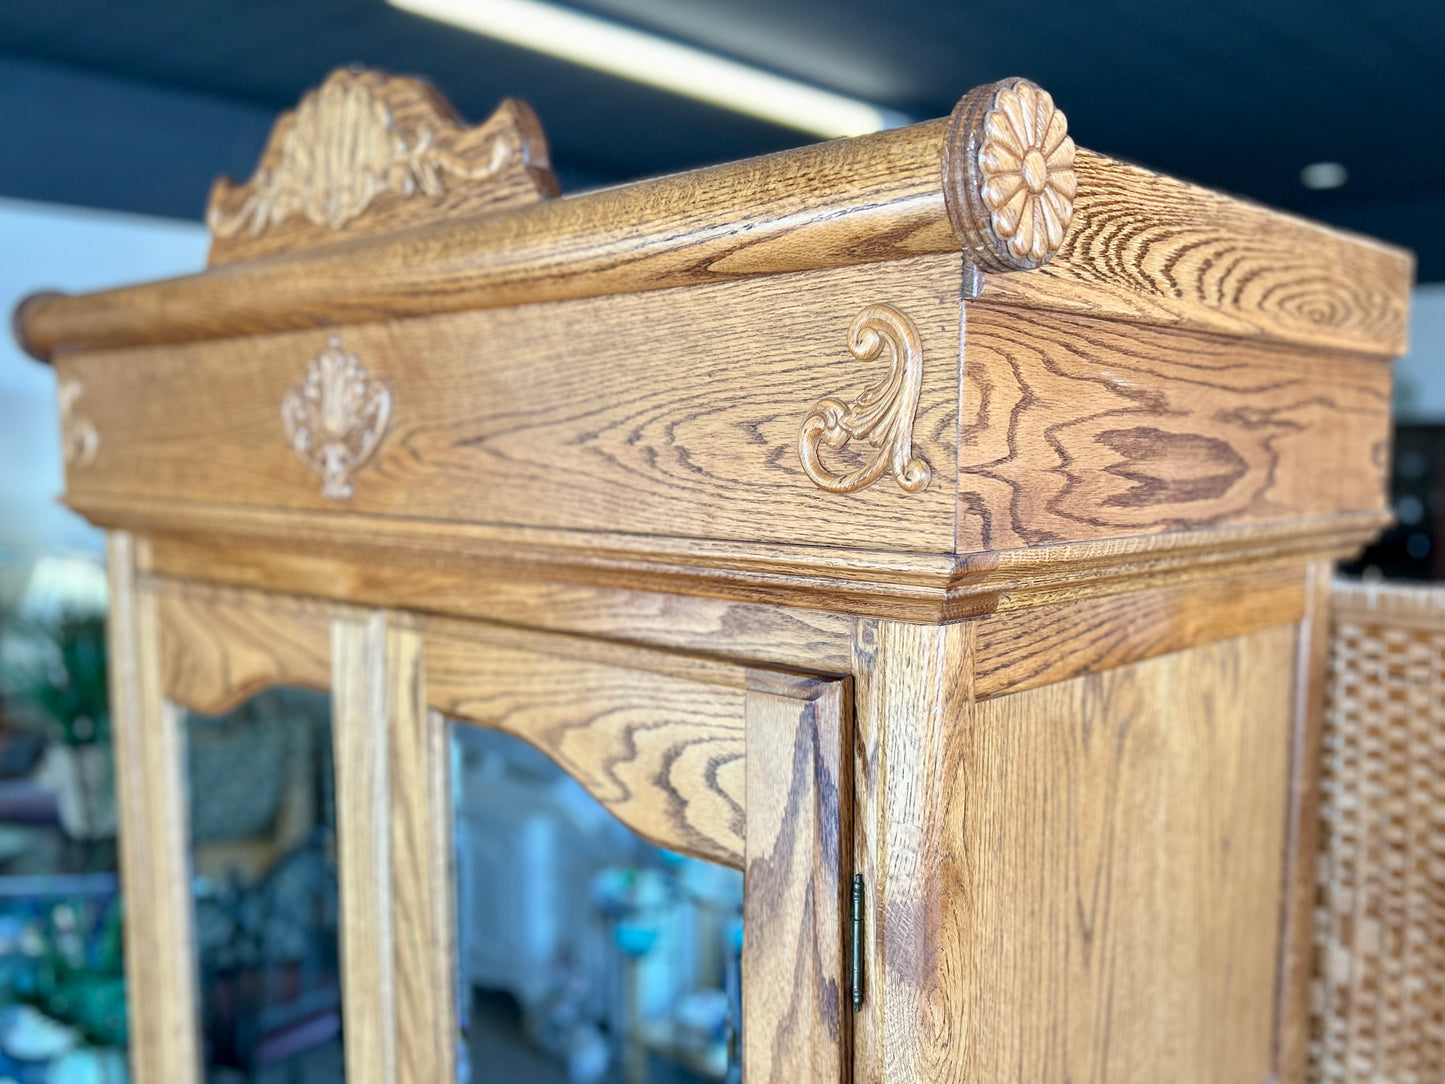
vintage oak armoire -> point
(948, 508)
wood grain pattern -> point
(901, 585)
(837, 204)
(913, 685)
(369, 153)
(423, 882)
(362, 698)
(1144, 248)
(1150, 249)
(868, 827)
(1024, 650)
(796, 1023)
(1076, 428)
(1113, 865)
(1298, 959)
(1007, 580)
(161, 994)
(1085, 431)
(1078, 882)
(815, 577)
(657, 738)
(769, 635)
(220, 645)
(659, 413)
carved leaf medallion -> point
(881, 416)
(336, 417)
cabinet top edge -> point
(1096, 235)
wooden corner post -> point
(393, 815)
(150, 783)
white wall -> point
(1420, 374)
(48, 247)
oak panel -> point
(796, 1018)
(220, 645)
(1039, 646)
(903, 586)
(1113, 846)
(781, 636)
(1076, 428)
(1147, 248)
(668, 413)
(840, 203)
(657, 739)
(1142, 247)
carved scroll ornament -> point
(335, 418)
(881, 416)
(80, 442)
(1009, 179)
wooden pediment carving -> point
(367, 152)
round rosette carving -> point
(1009, 182)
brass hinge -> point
(855, 955)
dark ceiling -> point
(137, 105)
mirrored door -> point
(586, 954)
(262, 833)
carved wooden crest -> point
(367, 152)
(882, 414)
(335, 418)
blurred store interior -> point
(620, 962)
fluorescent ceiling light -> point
(1322, 175)
(646, 58)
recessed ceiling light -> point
(1323, 175)
(659, 62)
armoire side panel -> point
(1122, 838)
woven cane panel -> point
(1379, 994)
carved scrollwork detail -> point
(882, 415)
(1009, 175)
(80, 442)
(336, 417)
(344, 148)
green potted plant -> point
(53, 677)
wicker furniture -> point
(1380, 920)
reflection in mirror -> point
(586, 954)
(263, 851)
